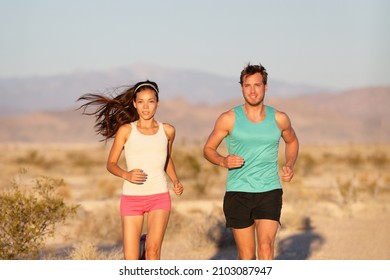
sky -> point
(335, 43)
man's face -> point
(253, 89)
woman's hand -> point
(135, 176)
(178, 188)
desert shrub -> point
(85, 160)
(176, 223)
(29, 215)
(34, 158)
(305, 163)
(205, 229)
(103, 225)
(369, 182)
(379, 159)
(87, 250)
(198, 174)
(354, 159)
(104, 187)
(187, 164)
(346, 189)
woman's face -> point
(146, 103)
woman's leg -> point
(156, 226)
(131, 231)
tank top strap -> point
(161, 128)
(239, 112)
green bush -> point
(29, 215)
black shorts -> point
(241, 209)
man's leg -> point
(245, 242)
(266, 233)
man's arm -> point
(222, 128)
(292, 145)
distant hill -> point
(21, 95)
(356, 116)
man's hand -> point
(232, 161)
(288, 174)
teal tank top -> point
(258, 144)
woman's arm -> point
(170, 167)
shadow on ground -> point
(300, 246)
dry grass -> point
(333, 181)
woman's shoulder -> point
(168, 127)
(124, 130)
(126, 126)
(169, 130)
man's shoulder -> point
(274, 110)
(227, 114)
(226, 120)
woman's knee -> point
(153, 252)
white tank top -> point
(149, 153)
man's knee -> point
(265, 251)
(246, 257)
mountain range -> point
(30, 94)
(44, 109)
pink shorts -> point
(136, 205)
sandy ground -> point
(357, 232)
(362, 236)
(316, 223)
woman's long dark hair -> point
(112, 112)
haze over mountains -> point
(21, 95)
(42, 109)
